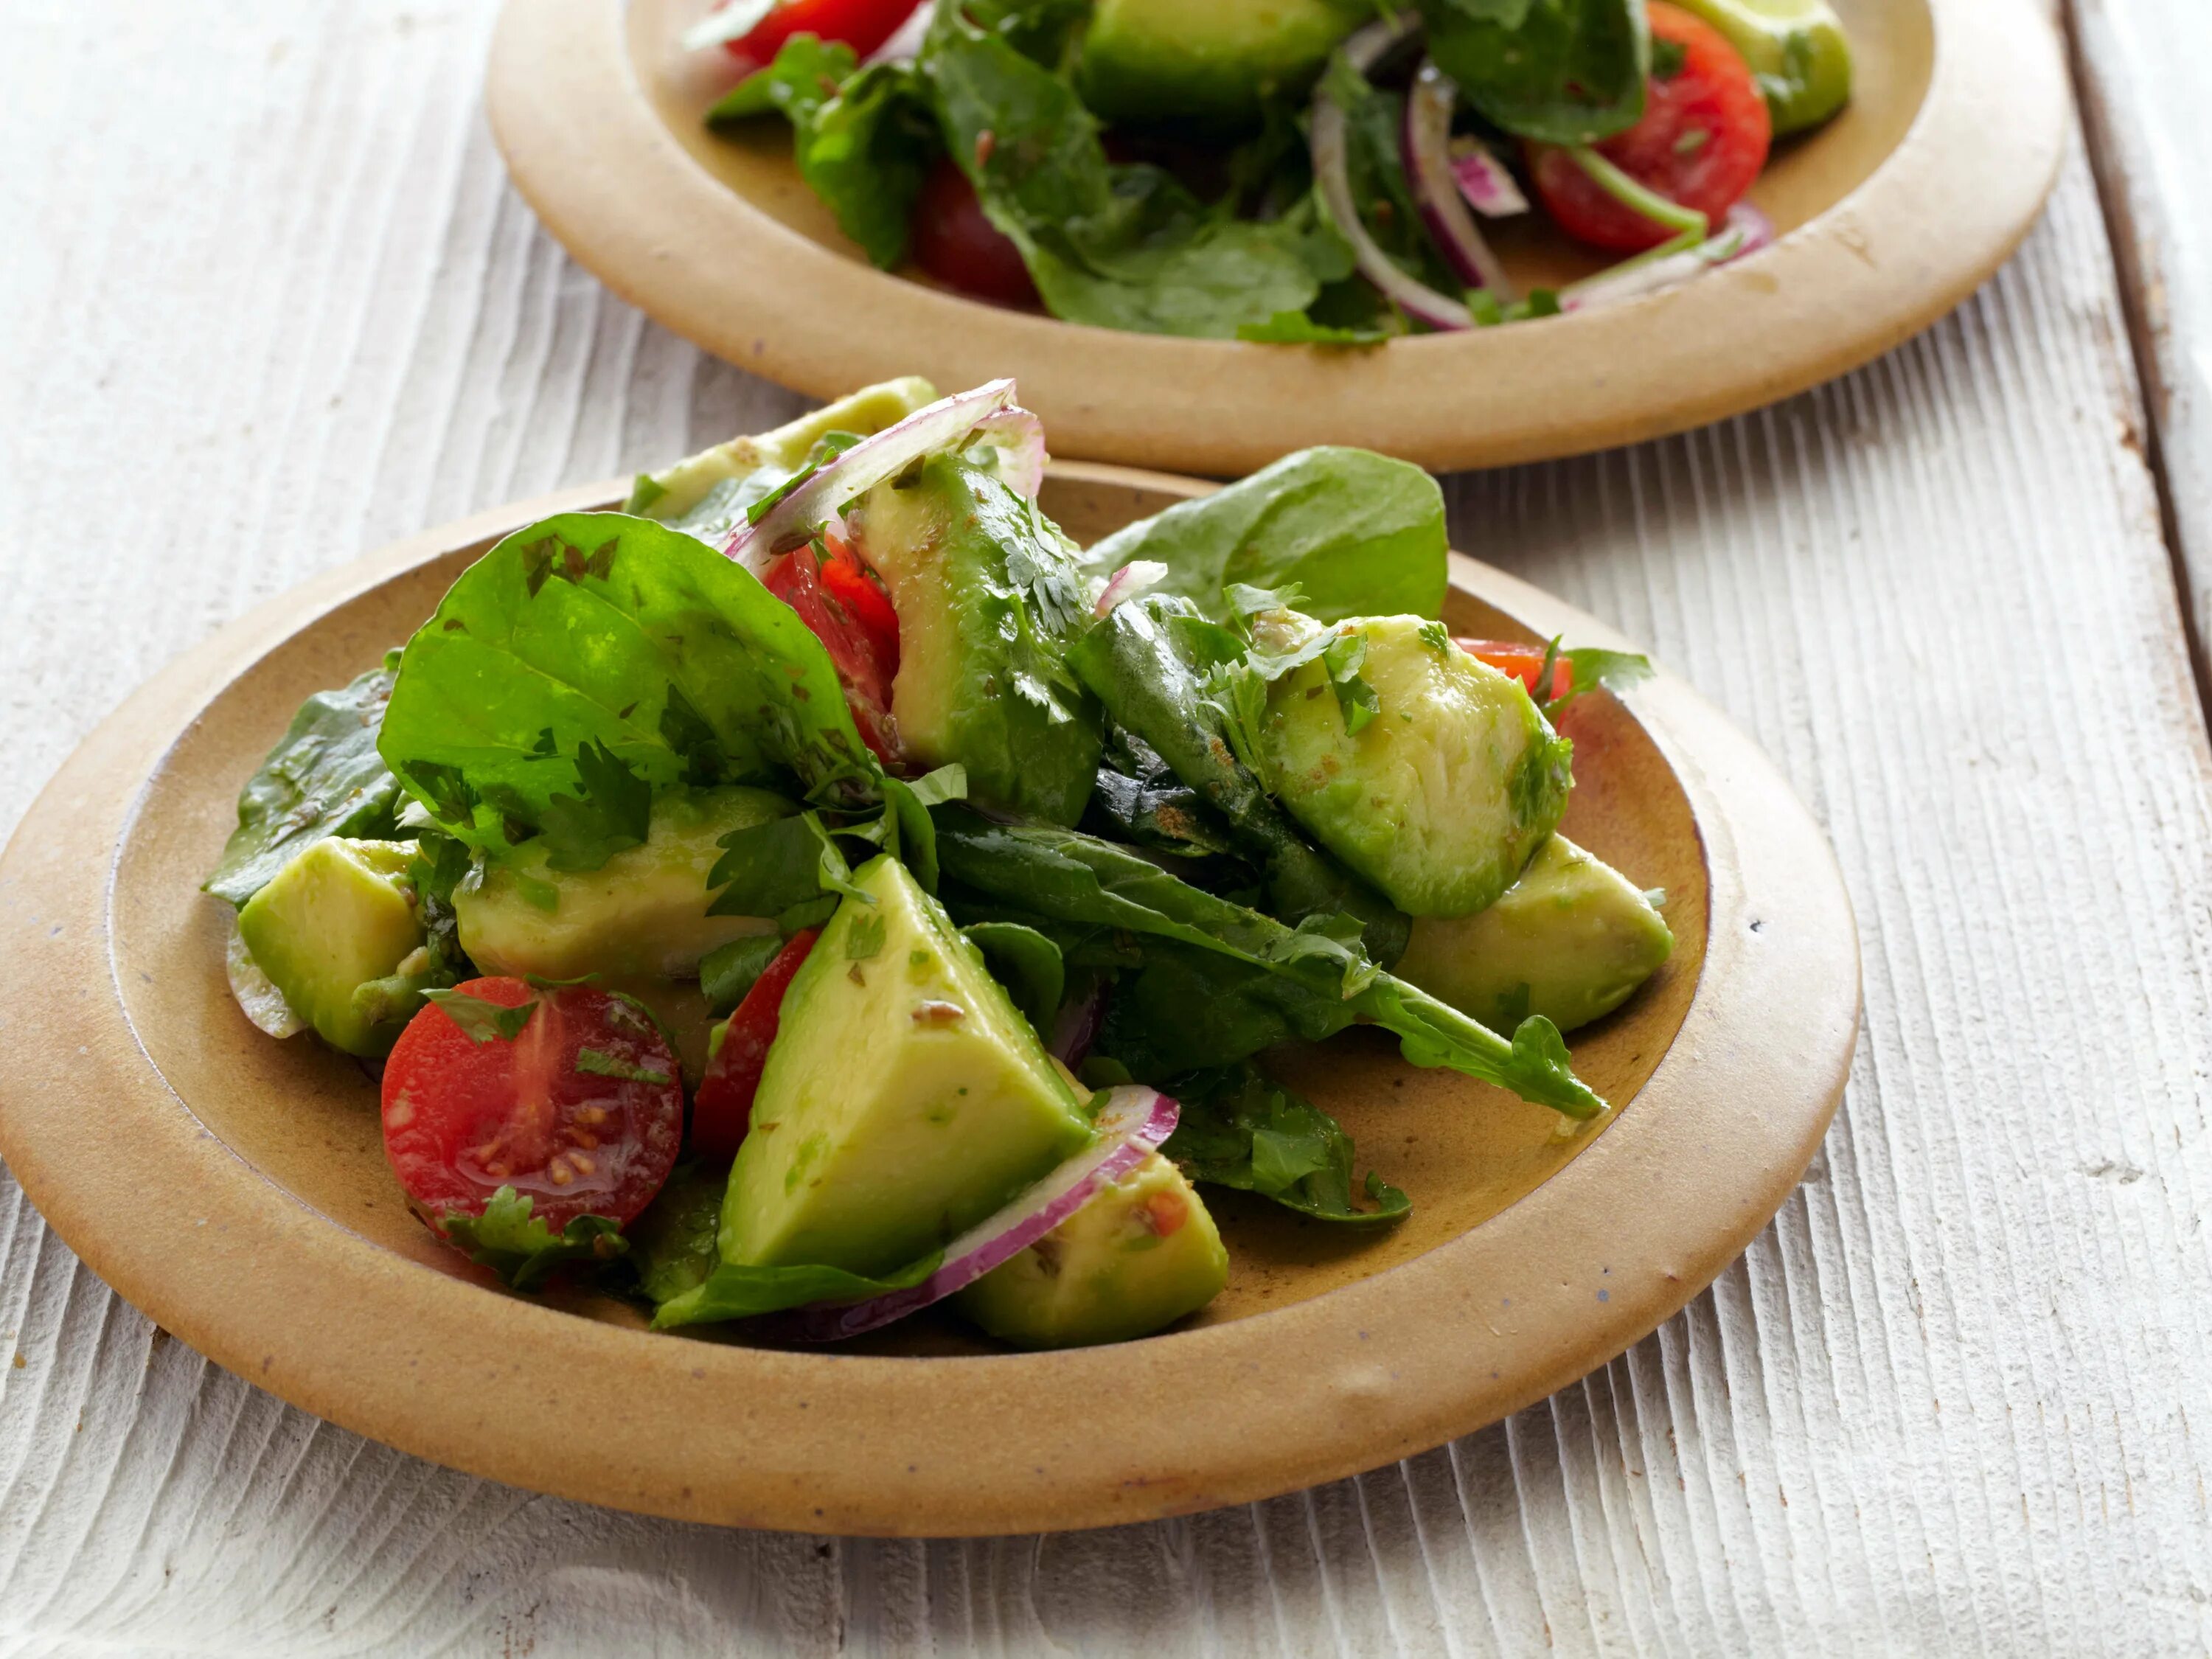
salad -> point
(822, 889)
(1313, 171)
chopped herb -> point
(864, 938)
(481, 1021)
(599, 1063)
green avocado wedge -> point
(1798, 54)
(337, 917)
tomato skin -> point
(1713, 95)
(1523, 662)
(723, 1109)
(853, 617)
(463, 1119)
(956, 242)
(863, 25)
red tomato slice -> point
(463, 1118)
(724, 1106)
(839, 600)
(1523, 662)
(1702, 141)
(863, 25)
(957, 243)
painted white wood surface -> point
(265, 301)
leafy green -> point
(599, 1063)
(512, 1242)
(731, 1290)
(1360, 533)
(1296, 328)
(728, 971)
(1138, 799)
(1028, 964)
(325, 778)
(865, 938)
(1590, 667)
(1116, 245)
(1374, 159)
(1315, 978)
(593, 653)
(775, 868)
(482, 1021)
(1240, 1129)
(1559, 71)
(672, 1245)
(807, 73)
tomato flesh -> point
(1524, 663)
(463, 1118)
(863, 25)
(839, 600)
(1702, 140)
(724, 1107)
(956, 242)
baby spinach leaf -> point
(1360, 533)
(806, 75)
(1559, 71)
(731, 1290)
(597, 658)
(1028, 964)
(325, 778)
(512, 1242)
(1296, 328)
(673, 1243)
(1240, 1129)
(727, 972)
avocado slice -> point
(335, 917)
(1798, 53)
(989, 596)
(1571, 940)
(904, 1100)
(1440, 797)
(642, 913)
(1138, 1256)
(1211, 65)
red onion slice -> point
(1131, 1125)
(1138, 576)
(1077, 1028)
(1416, 298)
(945, 424)
(1486, 182)
(905, 44)
(726, 24)
(1425, 141)
(1018, 437)
(1744, 231)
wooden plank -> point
(2147, 100)
(278, 306)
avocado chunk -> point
(1211, 65)
(1138, 1256)
(642, 913)
(989, 596)
(334, 917)
(1442, 795)
(1571, 940)
(903, 1099)
(1798, 53)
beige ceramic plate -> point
(1893, 214)
(235, 1188)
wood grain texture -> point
(270, 303)
(2145, 68)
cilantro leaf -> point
(1239, 1128)
(611, 811)
(512, 1242)
(772, 869)
(599, 1063)
(482, 1021)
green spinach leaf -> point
(1559, 71)
(731, 1290)
(1028, 964)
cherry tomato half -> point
(1523, 662)
(853, 617)
(863, 25)
(1701, 142)
(955, 242)
(581, 1111)
(724, 1106)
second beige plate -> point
(235, 1188)
(1891, 215)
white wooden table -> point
(266, 302)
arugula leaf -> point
(734, 1292)
(324, 778)
(1558, 71)
(1029, 964)
(482, 1021)
(728, 971)
(1239, 1128)
(1360, 533)
(1296, 328)
(608, 638)
(512, 1242)
(597, 1062)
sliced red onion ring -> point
(944, 424)
(733, 21)
(1363, 51)
(905, 44)
(1131, 1124)
(1138, 576)
(1077, 1028)
(1018, 437)
(1424, 139)
(1487, 183)
(1746, 230)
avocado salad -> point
(822, 889)
(1305, 172)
